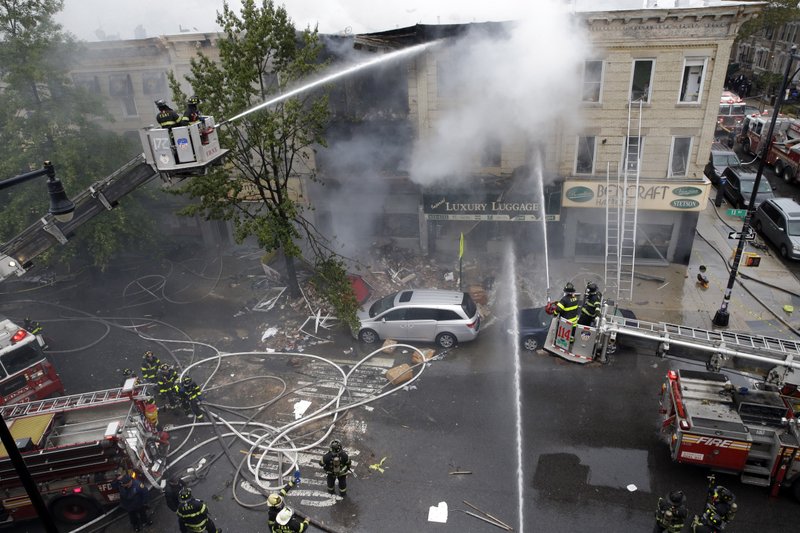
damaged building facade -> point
(648, 104)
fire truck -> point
(25, 372)
(784, 154)
(754, 131)
(750, 432)
(74, 448)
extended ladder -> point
(781, 352)
(621, 217)
(88, 399)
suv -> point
(721, 157)
(779, 221)
(738, 188)
(429, 315)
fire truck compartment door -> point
(183, 144)
(713, 450)
(28, 427)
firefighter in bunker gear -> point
(671, 514)
(167, 388)
(276, 502)
(568, 306)
(288, 522)
(189, 394)
(591, 305)
(32, 326)
(337, 465)
(166, 117)
(721, 500)
(150, 364)
(193, 513)
(710, 522)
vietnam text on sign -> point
(750, 236)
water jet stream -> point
(514, 298)
(330, 77)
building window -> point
(154, 83)
(88, 82)
(128, 106)
(120, 85)
(492, 153)
(584, 159)
(679, 156)
(642, 76)
(592, 80)
(692, 82)
(634, 146)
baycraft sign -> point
(453, 207)
(650, 196)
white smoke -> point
(517, 86)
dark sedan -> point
(534, 323)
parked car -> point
(720, 158)
(428, 315)
(535, 321)
(778, 220)
(739, 187)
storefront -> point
(665, 222)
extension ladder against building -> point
(88, 399)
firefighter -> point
(568, 306)
(192, 113)
(151, 412)
(288, 522)
(337, 465)
(710, 522)
(276, 501)
(166, 117)
(591, 305)
(166, 385)
(193, 514)
(171, 495)
(189, 394)
(32, 326)
(671, 514)
(150, 364)
(721, 500)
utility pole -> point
(721, 317)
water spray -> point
(336, 75)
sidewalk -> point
(754, 302)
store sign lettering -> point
(687, 191)
(580, 194)
(684, 204)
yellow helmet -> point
(274, 500)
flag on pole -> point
(461, 246)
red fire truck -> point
(750, 432)
(784, 154)
(74, 447)
(25, 372)
(755, 129)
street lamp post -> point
(721, 317)
(62, 209)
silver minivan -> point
(427, 315)
(778, 220)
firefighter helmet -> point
(569, 287)
(186, 380)
(161, 103)
(274, 499)
(676, 497)
(185, 493)
(592, 288)
(711, 518)
(194, 100)
(164, 367)
(336, 446)
(724, 494)
(284, 516)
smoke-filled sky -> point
(91, 20)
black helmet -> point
(724, 494)
(186, 380)
(676, 497)
(336, 446)
(149, 355)
(591, 287)
(164, 367)
(711, 517)
(161, 104)
(194, 100)
(569, 287)
(185, 493)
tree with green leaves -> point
(262, 55)
(44, 117)
(775, 14)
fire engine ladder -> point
(88, 399)
(770, 350)
(621, 217)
